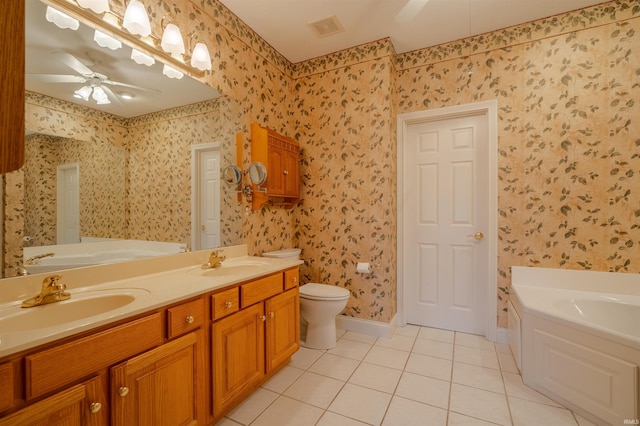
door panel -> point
(446, 200)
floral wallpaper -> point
(568, 155)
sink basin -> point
(81, 305)
(235, 266)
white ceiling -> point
(284, 23)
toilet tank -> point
(290, 253)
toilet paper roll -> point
(364, 268)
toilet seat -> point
(314, 291)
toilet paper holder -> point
(364, 268)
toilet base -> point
(320, 336)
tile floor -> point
(421, 376)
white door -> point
(206, 196)
(68, 204)
(445, 217)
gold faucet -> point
(52, 291)
(30, 260)
(215, 260)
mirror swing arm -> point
(233, 176)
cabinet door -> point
(291, 174)
(238, 356)
(80, 405)
(276, 171)
(159, 387)
(283, 327)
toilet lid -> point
(323, 291)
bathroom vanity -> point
(183, 345)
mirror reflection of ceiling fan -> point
(410, 10)
(95, 85)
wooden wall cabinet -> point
(12, 45)
(281, 157)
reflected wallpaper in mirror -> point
(101, 182)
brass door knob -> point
(477, 236)
(123, 391)
(203, 228)
(190, 319)
(94, 407)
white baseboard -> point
(368, 327)
(502, 336)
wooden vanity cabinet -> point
(281, 157)
(253, 343)
(84, 404)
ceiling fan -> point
(410, 10)
(95, 84)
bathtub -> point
(576, 338)
(95, 252)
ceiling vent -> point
(327, 26)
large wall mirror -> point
(132, 157)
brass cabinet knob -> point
(228, 304)
(123, 391)
(190, 319)
(294, 279)
(285, 172)
(94, 407)
(263, 318)
(477, 236)
(272, 314)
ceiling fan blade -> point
(73, 63)
(55, 78)
(410, 10)
(131, 86)
(112, 96)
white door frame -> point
(196, 151)
(61, 195)
(490, 109)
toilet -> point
(319, 306)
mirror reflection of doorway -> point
(68, 204)
(205, 196)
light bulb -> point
(171, 72)
(98, 6)
(172, 40)
(136, 20)
(61, 20)
(142, 58)
(200, 58)
(104, 40)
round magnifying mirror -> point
(232, 175)
(257, 173)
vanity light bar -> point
(146, 44)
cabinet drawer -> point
(184, 318)
(56, 367)
(7, 386)
(224, 303)
(260, 289)
(291, 278)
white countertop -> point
(159, 281)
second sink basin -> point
(81, 305)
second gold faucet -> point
(215, 260)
